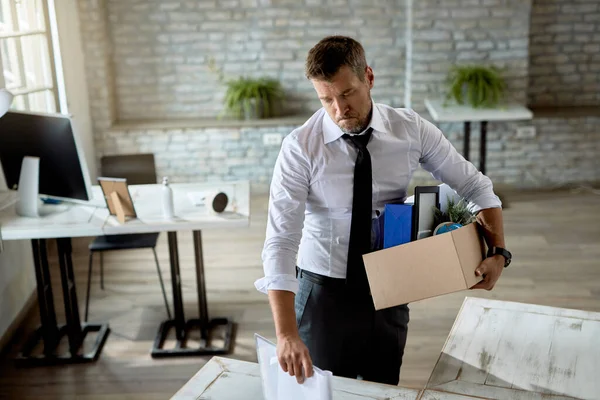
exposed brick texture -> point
(148, 60)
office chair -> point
(138, 169)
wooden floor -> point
(555, 239)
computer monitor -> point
(63, 172)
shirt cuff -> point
(277, 282)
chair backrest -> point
(138, 169)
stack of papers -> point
(197, 198)
(278, 385)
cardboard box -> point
(425, 268)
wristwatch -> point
(502, 252)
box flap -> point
(470, 249)
(414, 271)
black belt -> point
(320, 279)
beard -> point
(355, 125)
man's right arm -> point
(292, 353)
(287, 203)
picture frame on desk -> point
(118, 198)
(426, 197)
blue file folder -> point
(397, 224)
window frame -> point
(18, 34)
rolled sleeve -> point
(446, 164)
(285, 218)
(277, 282)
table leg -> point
(207, 324)
(203, 323)
(49, 327)
(176, 282)
(200, 283)
(49, 330)
(467, 139)
(482, 148)
(74, 331)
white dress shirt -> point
(310, 205)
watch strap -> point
(493, 251)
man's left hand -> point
(491, 269)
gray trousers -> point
(345, 335)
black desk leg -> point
(482, 149)
(467, 140)
(203, 323)
(49, 330)
(206, 324)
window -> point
(27, 55)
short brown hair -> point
(333, 52)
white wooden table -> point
(505, 350)
(495, 350)
(468, 114)
(93, 219)
(228, 379)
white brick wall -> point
(147, 60)
(468, 32)
(565, 53)
(564, 151)
(201, 154)
(161, 49)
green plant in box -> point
(252, 97)
(457, 212)
(479, 86)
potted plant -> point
(456, 215)
(482, 86)
(252, 98)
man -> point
(331, 180)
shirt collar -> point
(332, 132)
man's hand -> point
(294, 358)
(291, 351)
(491, 269)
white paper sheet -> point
(279, 385)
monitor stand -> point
(48, 209)
(29, 203)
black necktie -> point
(360, 228)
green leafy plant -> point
(249, 97)
(252, 97)
(457, 212)
(482, 86)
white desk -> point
(495, 350)
(468, 114)
(505, 350)
(227, 379)
(461, 113)
(93, 219)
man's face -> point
(347, 98)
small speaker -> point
(217, 201)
